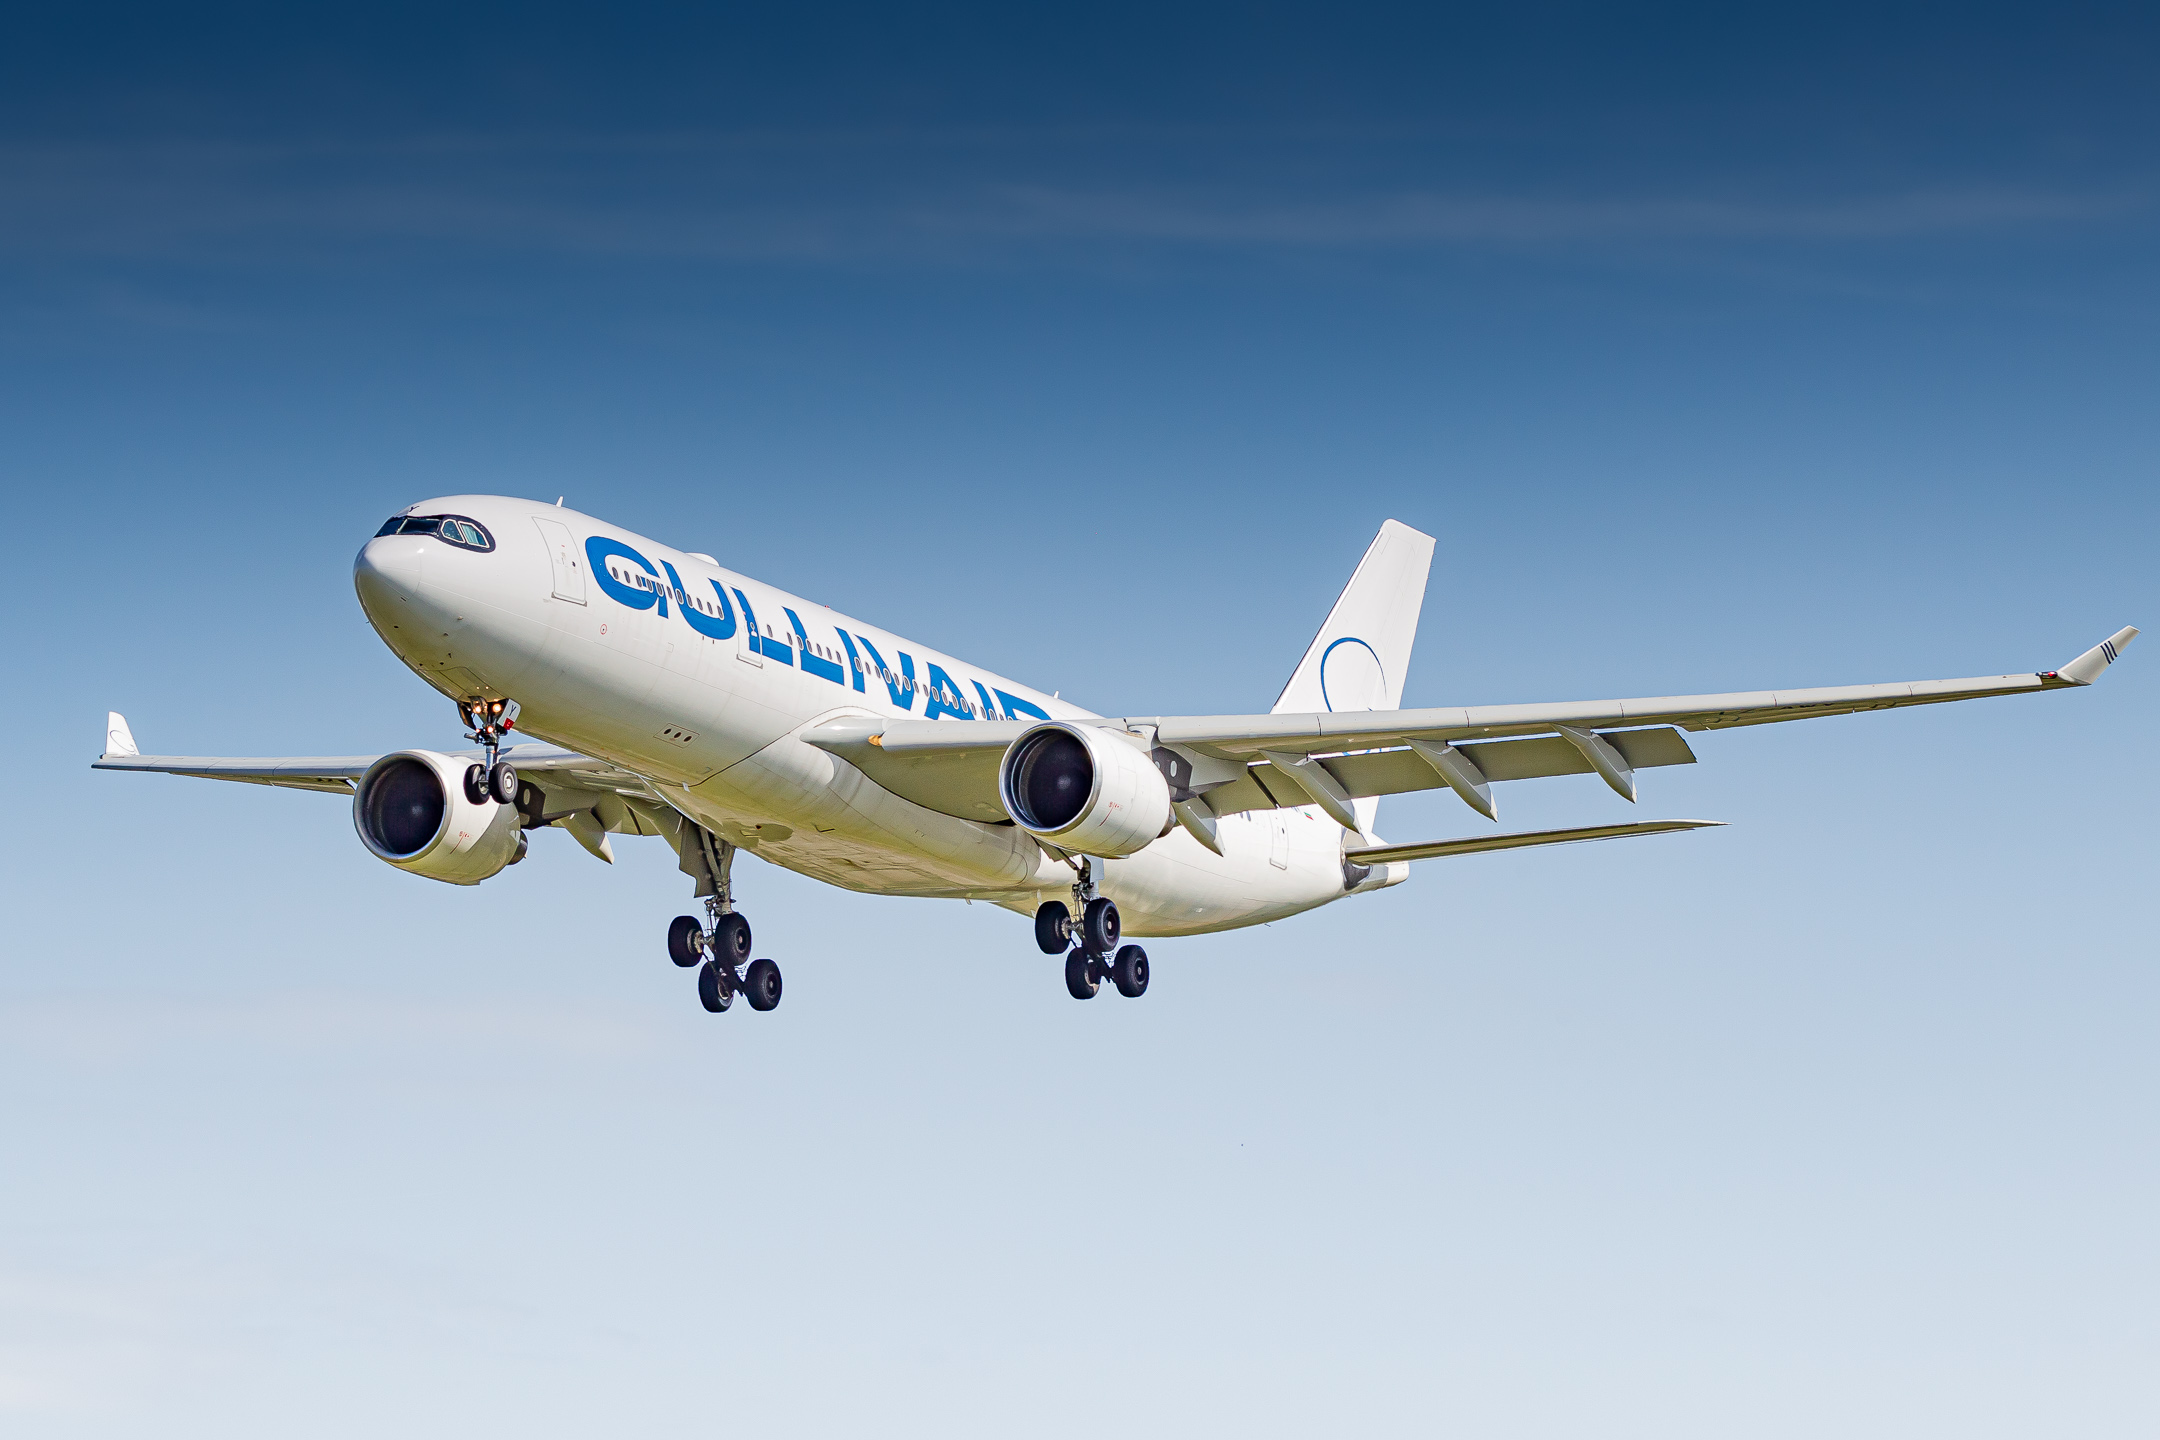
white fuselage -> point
(587, 627)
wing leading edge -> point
(952, 767)
(587, 797)
(1323, 733)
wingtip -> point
(2089, 666)
(119, 740)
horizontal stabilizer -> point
(1435, 849)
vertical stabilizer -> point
(1359, 658)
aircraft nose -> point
(387, 572)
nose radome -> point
(386, 574)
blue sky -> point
(1718, 351)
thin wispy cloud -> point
(870, 199)
(1423, 218)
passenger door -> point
(568, 565)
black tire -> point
(1130, 971)
(731, 939)
(1053, 927)
(476, 784)
(503, 783)
(761, 985)
(1099, 928)
(685, 941)
(714, 992)
(1081, 981)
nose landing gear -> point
(488, 721)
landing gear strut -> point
(1096, 954)
(488, 721)
(722, 941)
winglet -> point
(2087, 667)
(119, 740)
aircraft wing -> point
(334, 773)
(577, 792)
(1256, 762)
(1477, 844)
(338, 774)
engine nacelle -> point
(411, 810)
(1084, 789)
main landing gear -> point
(723, 946)
(1128, 970)
(1096, 954)
(720, 947)
(488, 721)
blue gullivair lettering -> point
(777, 649)
(1015, 707)
(653, 589)
(811, 664)
(946, 698)
(900, 687)
(854, 660)
(598, 551)
(712, 627)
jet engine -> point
(411, 809)
(1084, 789)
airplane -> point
(669, 695)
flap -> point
(1398, 772)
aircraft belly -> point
(1179, 887)
(798, 806)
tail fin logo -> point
(1352, 677)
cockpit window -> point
(456, 529)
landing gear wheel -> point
(761, 985)
(685, 941)
(731, 939)
(476, 784)
(1130, 972)
(1081, 977)
(1053, 927)
(1099, 929)
(503, 782)
(715, 990)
